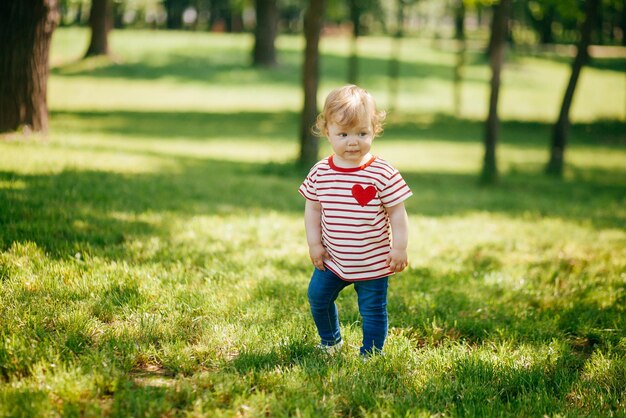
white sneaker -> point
(330, 349)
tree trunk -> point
(313, 19)
(458, 77)
(394, 60)
(459, 35)
(623, 24)
(545, 34)
(497, 46)
(100, 20)
(353, 61)
(459, 20)
(264, 53)
(561, 127)
(174, 10)
(26, 28)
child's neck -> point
(339, 162)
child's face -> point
(351, 143)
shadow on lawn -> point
(64, 211)
(466, 307)
(228, 69)
(283, 126)
(482, 318)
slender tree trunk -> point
(313, 19)
(174, 10)
(78, 20)
(100, 21)
(458, 77)
(26, 28)
(459, 35)
(497, 48)
(394, 61)
(561, 127)
(546, 36)
(459, 20)
(353, 61)
(623, 24)
(118, 10)
(264, 53)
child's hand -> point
(397, 260)
(318, 254)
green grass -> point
(153, 259)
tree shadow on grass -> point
(228, 69)
(279, 127)
(525, 134)
(101, 210)
(174, 126)
(464, 306)
(65, 211)
(597, 201)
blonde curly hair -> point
(348, 106)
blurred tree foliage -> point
(532, 21)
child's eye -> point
(343, 134)
(363, 134)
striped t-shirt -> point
(355, 224)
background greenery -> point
(154, 261)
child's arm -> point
(313, 226)
(398, 259)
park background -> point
(153, 259)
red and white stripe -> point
(357, 238)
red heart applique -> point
(363, 195)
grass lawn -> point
(153, 259)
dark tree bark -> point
(623, 24)
(546, 35)
(26, 28)
(353, 62)
(313, 19)
(459, 20)
(394, 59)
(221, 19)
(497, 47)
(459, 35)
(100, 21)
(264, 53)
(174, 10)
(561, 127)
(118, 10)
(458, 77)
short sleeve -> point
(308, 188)
(395, 191)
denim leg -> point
(323, 291)
(373, 308)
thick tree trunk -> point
(100, 20)
(497, 47)
(26, 28)
(313, 19)
(561, 127)
(264, 53)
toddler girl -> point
(353, 199)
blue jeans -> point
(372, 297)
